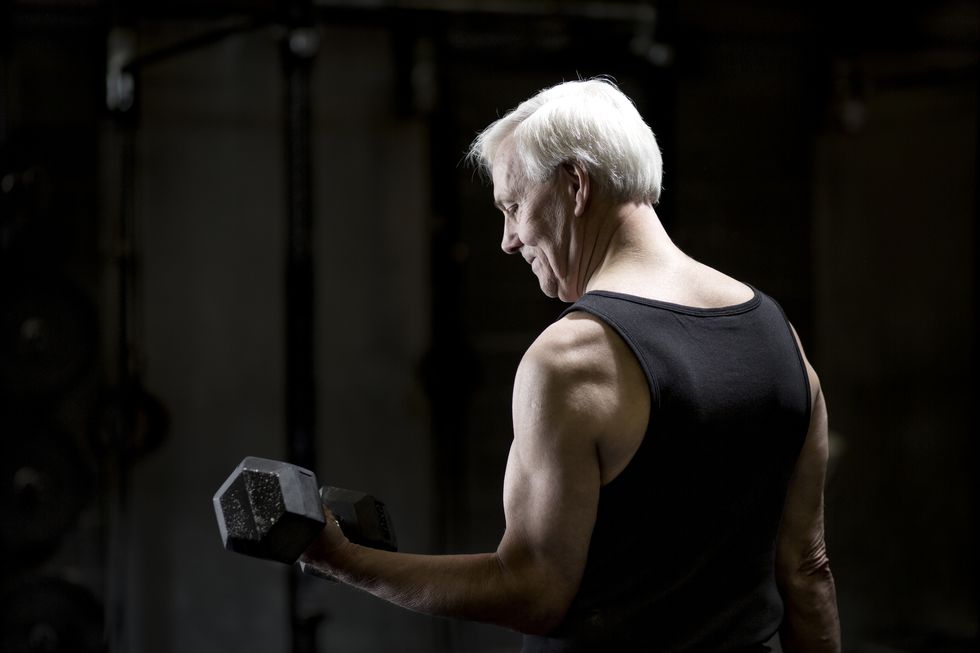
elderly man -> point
(664, 489)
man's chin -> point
(553, 291)
(549, 289)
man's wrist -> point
(328, 563)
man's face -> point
(537, 223)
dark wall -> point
(821, 154)
(895, 243)
(52, 372)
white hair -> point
(589, 121)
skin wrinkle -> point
(586, 268)
(595, 261)
(578, 264)
(538, 227)
(581, 251)
(588, 264)
(599, 243)
(815, 562)
(576, 228)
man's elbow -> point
(541, 619)
(535, 599)
(815, 569)
(806, 572)
(539, 609)
(808, 585)
(810, 623)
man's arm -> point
(802, 566)
(563, 400)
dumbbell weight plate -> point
(269, 509)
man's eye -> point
(511, 210)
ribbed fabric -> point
(682, 553)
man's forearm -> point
(811, 623)
(476, 587)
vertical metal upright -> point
(299, 47)
(121, 100)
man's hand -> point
(330, 540)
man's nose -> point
(511, 244)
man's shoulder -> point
(580, 370)
(579, 350)
(576, 339)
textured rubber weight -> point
(269, 509)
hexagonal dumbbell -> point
(272, 510)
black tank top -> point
(682, 552)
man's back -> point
(681, 555)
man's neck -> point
(628, 240)
(639, 258)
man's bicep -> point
(551, 488)
(550, 499)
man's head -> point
(554, 160)
(590, 122)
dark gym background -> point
(241, 227)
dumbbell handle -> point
(375, 534)
(363, 518)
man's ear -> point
(578, 184)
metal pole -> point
(300, 45)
